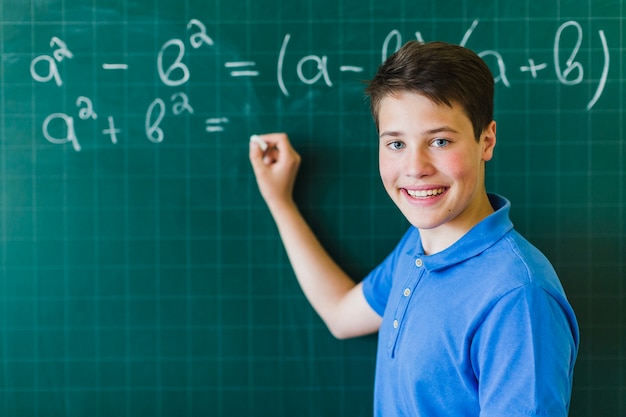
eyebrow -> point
(396, 133)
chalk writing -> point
(114, 66)
(311, 69)
(70, 136)
(533, 68)
(59, 55)
(238, 72)
(112, 131)
(216, 124)
(153, 131)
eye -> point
(396, 145)
(440, 142)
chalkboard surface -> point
(141, 274)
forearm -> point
(323, 282)
(334, 296)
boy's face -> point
(431, 164)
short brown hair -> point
(444, 73)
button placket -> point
(403, 302)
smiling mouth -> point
(425, 193)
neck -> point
(442, 237)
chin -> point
(420, 221)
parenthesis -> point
(279, 67)
(605, 71)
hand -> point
(275, 169)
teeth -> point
(425, 193)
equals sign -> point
(214, 124)
(236, 70)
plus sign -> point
(112, 131)
(532, 67)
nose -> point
(417, 163)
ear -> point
(489, 141)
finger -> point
(278, 141)
(256, 156)
(258, 140)
(274, 147)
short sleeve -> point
(523, 355)
(377, 284)
(376, 287)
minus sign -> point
(115, 66)
(350, 68)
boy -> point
(471, 318)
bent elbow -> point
(343, 330)
(340, 333)
(348, 326)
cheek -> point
(459, 166)
(387, 171)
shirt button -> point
(419, 263)
(395, 324)
(407, 292)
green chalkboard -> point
(141, 274)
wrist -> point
(281, 206)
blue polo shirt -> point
(482, 328)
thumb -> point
(256, 156)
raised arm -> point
(334, 296)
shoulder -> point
(527, 263)
(523, 280)
(510, 269)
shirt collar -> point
(482, 236)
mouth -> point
(432, 192)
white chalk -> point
(262, 144)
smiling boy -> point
(472, 319)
